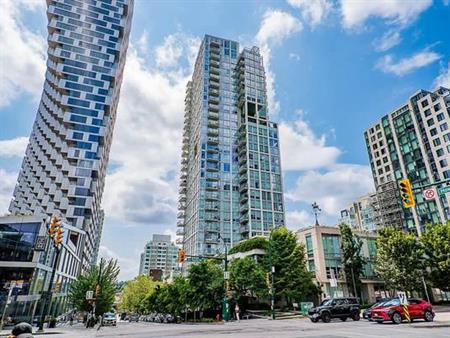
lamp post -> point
(225, 305)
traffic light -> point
(58, 239)
(55, 224)
(58, 287)
(181, 256)
(406, 193)
(97, 290)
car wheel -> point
(379, 321)
(326, 318)
(314, 320)
(396, 318)
(428, 316)
(343, 319)
(355, 316)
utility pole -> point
(272, 272)
(56, 233)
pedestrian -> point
(71, 319)
(22, 330)
(237, 311)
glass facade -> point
(332, 252)
(231, 177)
(17, 241)
(65, 164)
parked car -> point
(393, 311)
(367, 313)
(341, 308)
(109, 319)
(133, 318)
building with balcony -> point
(63, 172)
(159, 257)
(231, 184)
(363, 213)
(413, 142)
(324, 260)
(26, 260)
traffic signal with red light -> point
(181, 256)
(406, 193)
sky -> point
(333, 68)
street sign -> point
(444, 190)
(89, 295)
(39, 245)
(429, 194)
(226, 275)
(402, 296)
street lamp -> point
(225, 305)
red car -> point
(393, 311)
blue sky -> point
(334, 68)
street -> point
(258, 328)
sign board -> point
(429, 194)
(402, 296)
(89, 295)
(226, 275)
(39, 245)
(333, 282)
(444, 190)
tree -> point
(352, 260)
(205, 285)
(436, 244)
(135, 291)
(247, 278)
(250, 244)
(169, 298)
(105, 276)
(399, 259)
(292, 280)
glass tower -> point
(413, 142)
(63, 172)
(231, 185)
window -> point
(443, 126)
(430, 122)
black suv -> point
(341, 308)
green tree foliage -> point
(250, 244)
(352, 260)
(436, 244)
(248, 278)
(293, 282)
(168, 298)
(135, 291)
(105, 275)
(399, 259)
(205, 285)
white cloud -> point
(145, 153)
(444, 78)
(334, 189)
(23, 53)
(298, 219)
(176, 45)
(13, 147)
(294, 56)
(408, 64)
(7, 183)
(276, 26)
(401, 12)
(388, 40)
(313, 11)
(129, 268)
(302, 149)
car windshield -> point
(392, 302)
(109, 315)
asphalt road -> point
(258, 328)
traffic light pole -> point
(47, 297)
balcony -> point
(212, 176)
(180, 232)
(212, 196)
(180, 215)
(213, 140)
(213, 107)
(214, 77)
(212, 228)
(212, 149)
(213, 115)
(213, 124)
(179, 241)
(213, 84)
(243, 208)
(214, 92)
(211, 187)
(213, 132)
(244, 198)
(211, 207)
(214, 56)
(213, 99)
(243, 188)
(214, 69)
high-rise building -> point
(413, 142)
(363, 214)
(64, 168)
(160, 254)
(231, 184)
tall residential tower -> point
(231, 185)
(413, 142)
(63, 172)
